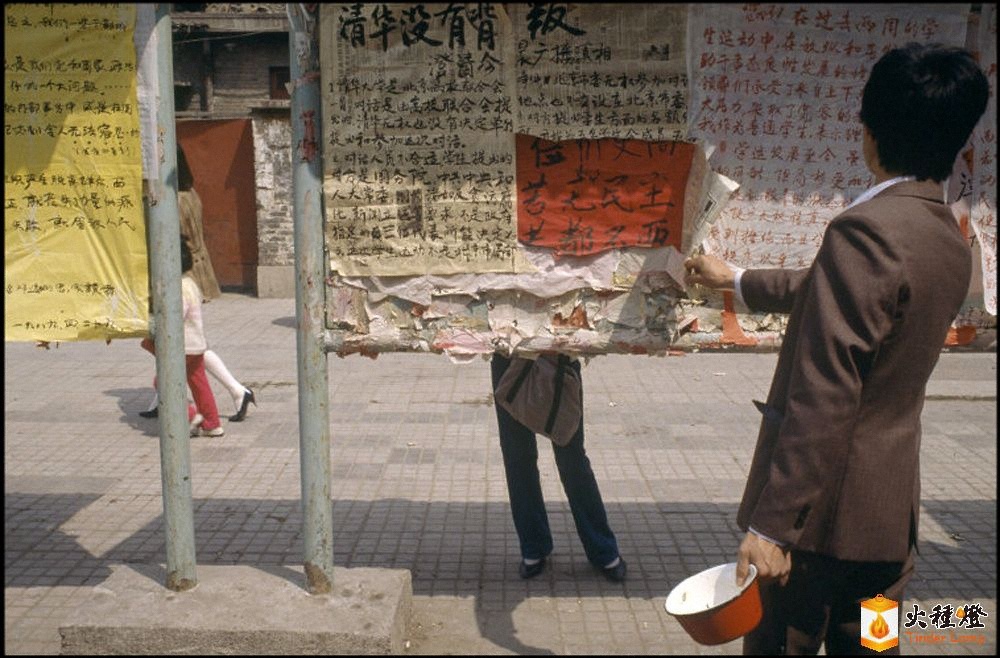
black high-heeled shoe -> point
(248, 397)
(150, 413)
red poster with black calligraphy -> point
(584, 196)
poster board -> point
(776, 89)
(428, 110)
(75, 262)
(974, 184)
(430, 115)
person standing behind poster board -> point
(832, 499)
(519, 447)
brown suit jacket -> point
(836, 469)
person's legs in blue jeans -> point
(520, 454)
(524, 486)
(584, 497)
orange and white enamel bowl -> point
(712, 608)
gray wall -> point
(272, 136)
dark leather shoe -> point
(248, 397)
(616, 574)
(531, 570)
(152, 413)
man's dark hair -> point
(187, 260)
(921, 103)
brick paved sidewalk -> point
(418, 484)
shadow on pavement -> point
(130, 402)
(37, 553)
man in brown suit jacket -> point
(833, 495)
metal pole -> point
(307, 211)
(165, 271)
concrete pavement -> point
(418, 484)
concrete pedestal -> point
(243, 610)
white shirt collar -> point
(872, 191)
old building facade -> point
(231, 67)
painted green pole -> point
(310, 289)
(165, 272)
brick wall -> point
(242, 74)
(272, 135)
(241, 66)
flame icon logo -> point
(879, 628)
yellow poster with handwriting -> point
(75, 261)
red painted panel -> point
(583, 196)
(221, 156)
